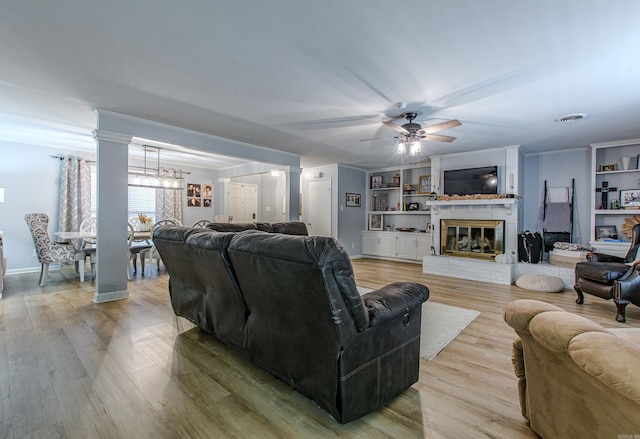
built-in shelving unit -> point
(616, 181)
(391, 193)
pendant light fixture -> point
(155, 177)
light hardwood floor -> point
(131, 369)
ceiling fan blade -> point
(440, 126)
(378, 138)
(438, 138)
(396, 127)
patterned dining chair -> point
(202, 224)
(50, 252)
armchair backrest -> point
(635, 244)
(47, 250)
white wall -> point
(346, 222)
(32, 179)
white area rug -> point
(440, 325)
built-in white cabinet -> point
(401, 245)
(614, 171)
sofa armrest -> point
(393, 300)
(517, 358)
(601, 257)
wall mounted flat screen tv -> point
(471, 181)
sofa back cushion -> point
(290, 228)
(303, 303)
(231, 227)
(202, 284)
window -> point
(141, 199)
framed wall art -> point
(630, 199)
(376, 181)
(603, 232)
(353, 200)
(424, 184)
(609, 167)
(375, 221)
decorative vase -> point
(625, 162)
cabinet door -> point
(423, 245)
(387, 244)
(369, 243)
(406, 246)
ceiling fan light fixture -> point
(402, 147)
(415, 147)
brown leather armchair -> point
(610, 277)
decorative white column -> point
(112, 200)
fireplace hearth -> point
(482, 239)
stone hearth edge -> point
(490, 271)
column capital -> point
(110, 136)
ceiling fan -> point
(412, 133)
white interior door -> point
(243, 202)
(319, 207)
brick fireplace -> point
(481, 239)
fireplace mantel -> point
(507, 203)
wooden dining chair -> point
(152, 253)
(202, 224)
(88, 245)
(137, 247)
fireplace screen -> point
(472, 238)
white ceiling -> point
(313, 78)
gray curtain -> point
(169, 201)
(75, 193)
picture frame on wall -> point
(630, 199)
(606, 232)
(375, 221)
(353, 200)
(424, 184)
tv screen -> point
(471, 181)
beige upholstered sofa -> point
(577, 379)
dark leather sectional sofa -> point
(290, 303)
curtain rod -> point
(59, 157)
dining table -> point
(77, 236)
(138, 235)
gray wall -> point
(558, 168)
(351, 219)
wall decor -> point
(207, 195)
(606, 232)
(630, 199)
(375, 221)
(424, 184)
(609, 167)
(353, 200)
